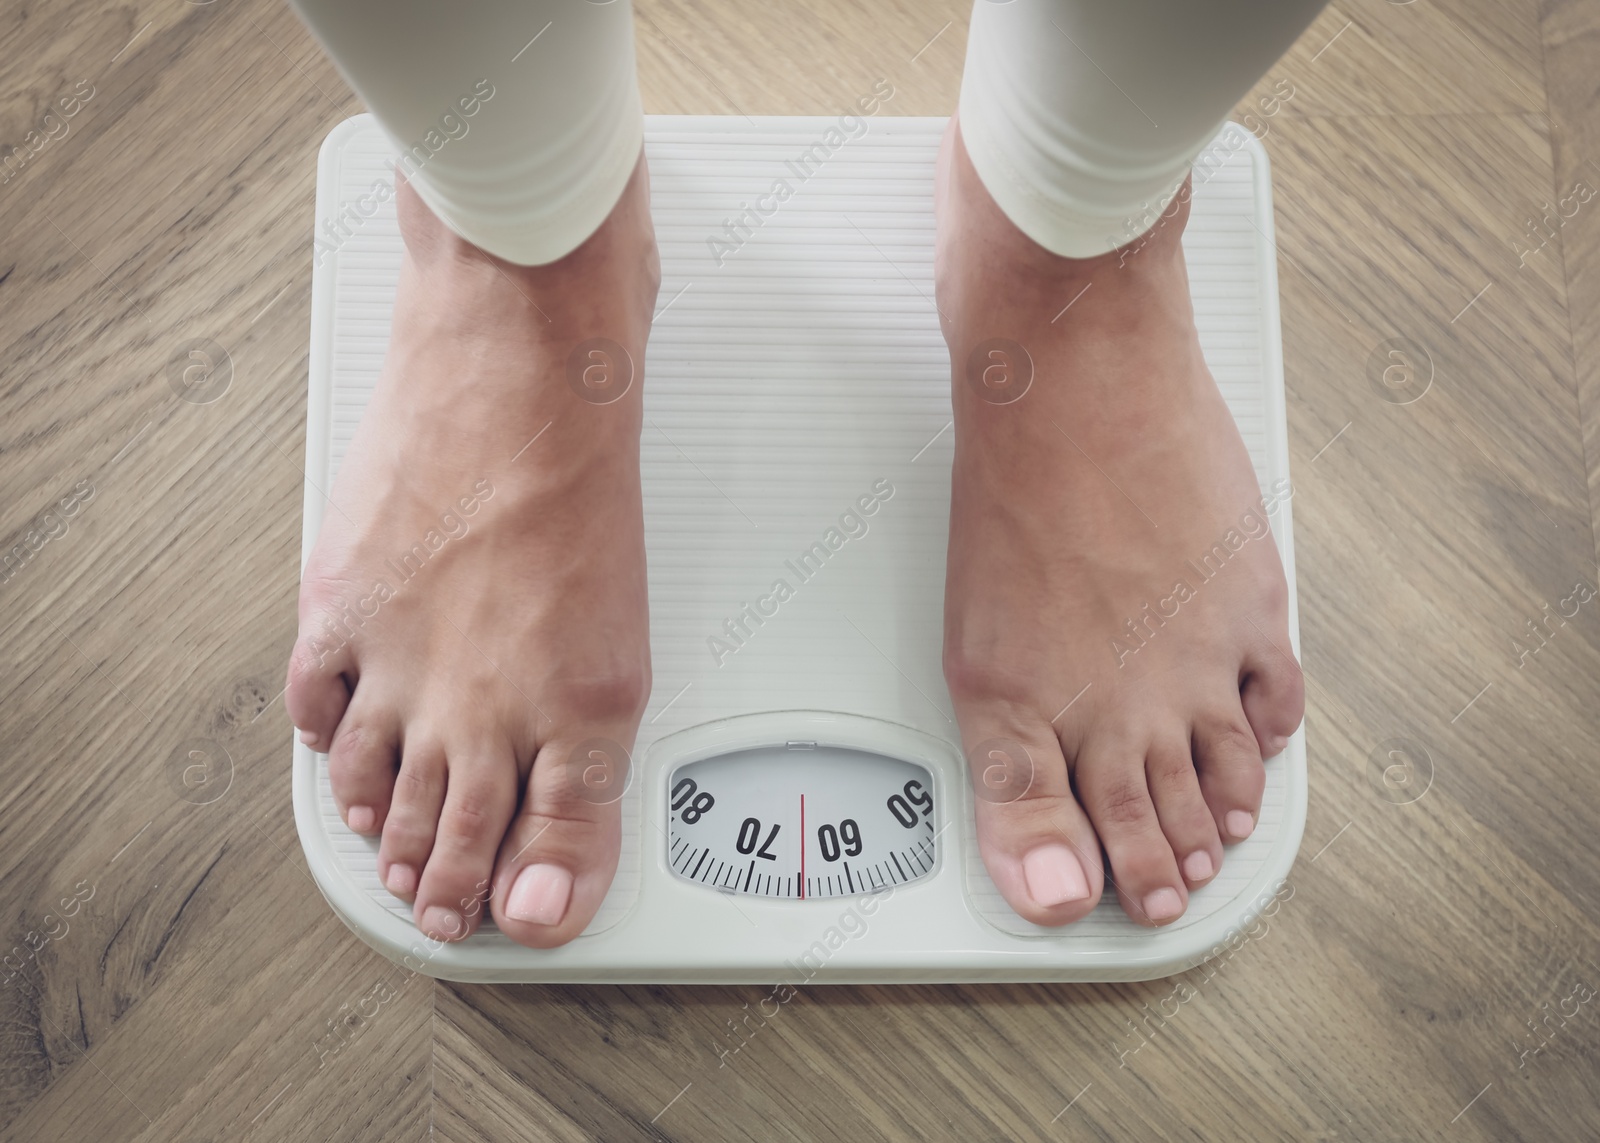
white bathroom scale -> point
(798, 807)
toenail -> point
(402, 880)
(539, 895)
(1239, 823)
(1275, 745)
(309, 737)
(361, 818)
(1054, 876)
(442, 924)
(1162, 905)
(1197, 866)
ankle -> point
(1163, 240)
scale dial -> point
(800, 821)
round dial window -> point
(800, 821)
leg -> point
(1076, 510)
(474, 612)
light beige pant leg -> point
(1083, 116)
(518, 121)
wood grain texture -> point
(1572, 59)
(199, 988)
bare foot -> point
(475, 607)
(1078, 507)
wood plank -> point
(1571, 34)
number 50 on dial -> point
(801, 822)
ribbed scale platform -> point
(780, 386)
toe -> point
(1111, 779)
(480, 797)
(1272, 690)
(1185, 818)
(1036, 842)
(1228, 759)
(361, 766)
(413, 819)
(317, 691)
(560, 854)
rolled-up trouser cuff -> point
(530, 232)
(1083, 117)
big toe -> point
(560, 854)
(1035, 840)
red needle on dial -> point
(802, 847)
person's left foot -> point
(1097, 469)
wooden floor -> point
(1433, 976)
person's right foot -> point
(1078, 504)
(475, 607)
